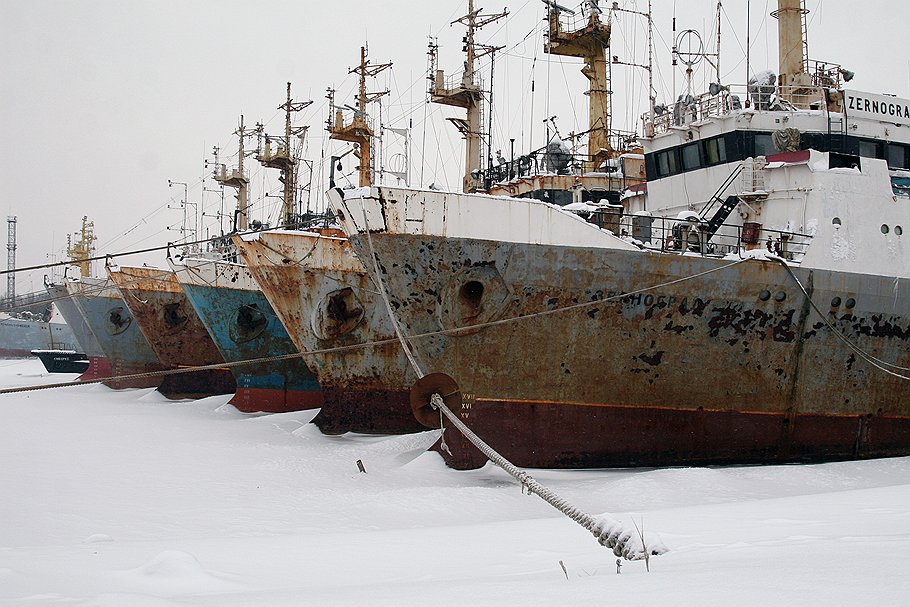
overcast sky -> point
(103, 101)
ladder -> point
(724, 206)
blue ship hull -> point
(244, 327)
(119, 337)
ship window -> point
(691, 159)
(715, 151)
(884, 228)
(897, 156)
(666, 163)
(870, 149)
(898, 230)
(764, 145)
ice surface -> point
(128, 499)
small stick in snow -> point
(360, 466)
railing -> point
(577, 20)
(671, 235)
(543, 161)
(690, 109)
(456, 81)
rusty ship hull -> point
(116, 332)
(326, 300)
(732, 367)
(174, 331)
(99, 367)
(244, 326)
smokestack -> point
(790, 33)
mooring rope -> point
(607, 531)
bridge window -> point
(764, 145)
(715, 151)
(691, 158)
(898, 156)
(870, 149)
(667, 163)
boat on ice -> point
(237, 315)
(111, 323)
(19, 335)
(98, 366)
(174, 331)
(243, 325)
(62, 361)
(767, 321)
(326, 299)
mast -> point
(237, 180)
(794, 79)
(358, 131)
(468, 93)
(285, 158)
(83, 249)
(588, 42)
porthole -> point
(851, 303)
(835, 303)
(898, 230)
(765, 295)
(884, 228)
(472, 292)
(836, 221)
(780, 296)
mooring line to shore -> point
(608, 532)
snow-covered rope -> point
(608, 532)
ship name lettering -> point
(873, 106)
(637, 299)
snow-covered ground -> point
(124, 498)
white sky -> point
(103, 101)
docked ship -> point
(111, 323)
(243, 325)
(233, 308)
(326, 300)
(764, 321)
(20, 335)
(174, 331)
(80, 251)
(98, 366)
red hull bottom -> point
(366, 412)
(262, 400)
(198, 384)
(99, 367)
(535, 435)
(119, 369)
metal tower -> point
(11, 258)
(466, 92)
(360, 130)
(81, 251)
(286, 157)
